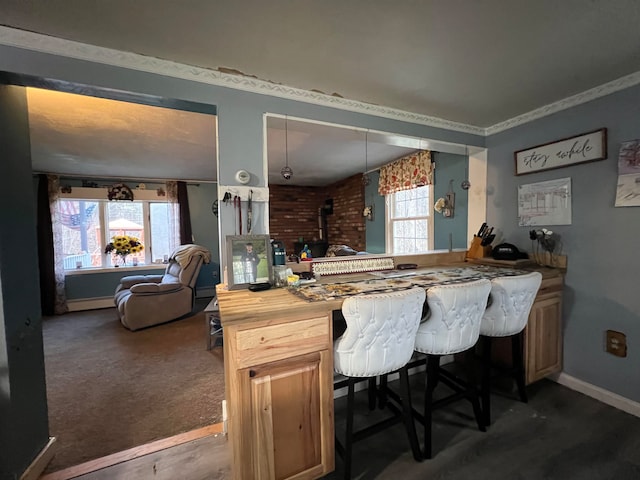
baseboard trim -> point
(132, 453)
(38, 465)
(600, 394)
(90, 303)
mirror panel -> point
(327, 163)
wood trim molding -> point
(132, 453)
(600, 394)
(38, 465)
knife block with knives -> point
(481, 243)
(477, 250)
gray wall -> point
(240, 137)
(602, 242)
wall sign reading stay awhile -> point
(587, 147)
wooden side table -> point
(212, 324)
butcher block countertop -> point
(240, 306)
(279, 304)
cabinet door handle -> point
(252, 373)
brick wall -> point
(293, 213)
(346, 225)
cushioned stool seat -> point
(379, 339)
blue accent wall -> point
(375, 229)
(450, 167)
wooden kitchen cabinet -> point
(543, 334)
(542, 347)
(279, 377)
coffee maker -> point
(279, 256)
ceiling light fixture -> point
(286, 171)
(366, 180)
(465, 183)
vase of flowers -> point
(123, 245)
(547, 241)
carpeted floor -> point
(110, 389)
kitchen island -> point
(278, 350)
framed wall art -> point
(587, 147)
(545, 203)
(248, 260)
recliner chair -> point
(146, 300)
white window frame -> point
(146, 197)
(389, 220)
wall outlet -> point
(616, 343)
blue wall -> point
(450, 167)
(375, 229)
(601, 290)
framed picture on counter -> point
(248, 260)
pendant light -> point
(286, 171)
(366, 180)
(465, 185)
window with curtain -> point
(87, 225)
(406, 173)
(405, 183)
(410, 220)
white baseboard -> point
(39, 463)
(600, 394)
(95, 303)
(90, 303)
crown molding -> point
(133, 61)
(569, 102)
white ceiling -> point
(477, 63)
(94, 137)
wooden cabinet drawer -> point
(551, 285)
(275, 342)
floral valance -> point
(415, 170)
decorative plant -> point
(546, 240)
(123, 245)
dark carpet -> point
(110, 389)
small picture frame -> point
(249, 260)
